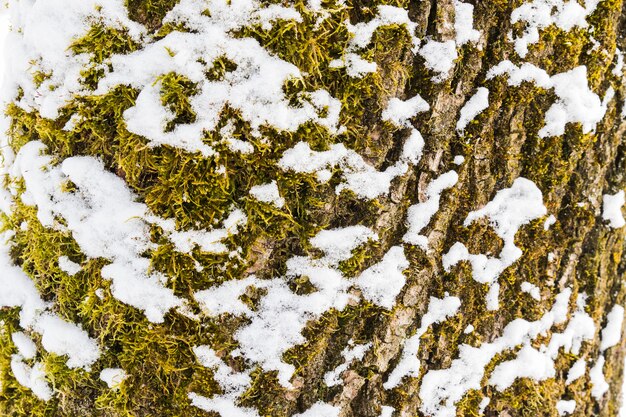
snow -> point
(33, 378)
(510, 209)
(268, 193)
(469, 329)
(533, 290)
(232, 383)
(565, 407)
(599, 386)
(409, 365)
(350, 353)
(338, 244)
(612, 209)
(618, 69)
(68, 266)
(63, 338)
(483, 405)
(576, 103)
(474, 106)
(25, 346)
(381, 283)
(441, 389)
(400, 112)
(320, 410)
(419, 215)
(439, 57)
(358, 176)
(539, 14)
(459, 159)
(362, 34)
(529, 363)
(113, 377)
(386, 411)
(549, 222)
(612, 332)
(577, 370)
(464, 23)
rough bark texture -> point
(500, 145)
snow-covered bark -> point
(338, 208)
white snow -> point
(33, 378)
(533, 290)
(338, 244)
(381, 283)
(576, 103)
(599, 386)
(459, 159)
(400, 112)
(464, 23)
(386, 411)
(268, 193)
(419, 215)
(68, 266)
(439, 57)
(350, 353)
(409, 365)
(362, 34)
(612, 209)
(320, 410)
(510, 209)
(612, 332)
(577, 370)
(565, 407)
(63, 338)
(113, 377)
(529, 363)
(549, 222)
(358, 176)
(539, 14)
(474, 106)
(25, 346)
(441, 389)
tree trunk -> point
(224, 208)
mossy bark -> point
(501, 144)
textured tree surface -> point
(164, 376)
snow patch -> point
(474, 106)
(612, 209)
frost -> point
(565, 407)
(539, 14)
(439, 57)
(612, 209)
(474, 106)
(510, 209)
(419, 215)
(350, 353)
(113, 377)
(409, 364)
(464, 23)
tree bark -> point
(580, 252)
